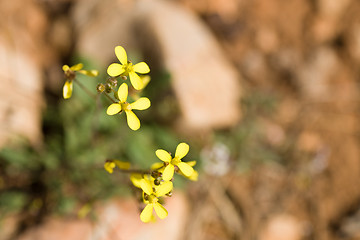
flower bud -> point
(146, 197)
(155, 174)
(108, 88)
(112, 81)
(100, 88)
(157, 181)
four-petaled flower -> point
(127, 68)
(151, 198)
(70, 74)
(181, 150)
(140, 104)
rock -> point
(282, 227)
(326, 24)
(205, 82)
(102, 25)
(116, 219)
(316, 75)
(121, 219)
(22, 54)
(58, 229)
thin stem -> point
(135, 171)
(85, 89)
(110, 98)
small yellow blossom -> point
(127, 68)
(140, 104)
(70, 74)
(181, 150)
(151, 198)
(109, 165)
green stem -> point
(110, 98)
(84, 88)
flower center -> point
(129, 67)
(70, 75)
(126, 106)
(175, 161)
(153, 198)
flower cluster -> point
(120, 100)
(157, 182)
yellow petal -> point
(136, 178)
(146, 186)
(136, 81)
(113, 109)
(164, 188)
(146, 214)
(123, 92)
(141, 104)
(191, 163)
(163, 155)
(157, 166)
(181, 150)
(121, 55)
(65, 68)
(115, 69)
(194, 176)
(145, 79)
(77, 67)
(168, 172)
(185, 169)
(109, 166)
(67, 89)
(141, 67)
(122, 165)
(160, 210)
(132, 120)
(90, 73)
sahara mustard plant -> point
(140, 104)
(154, 183)
(126, 68)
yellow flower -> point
(151, 198)
(111, 164)
(140, 104)
(70, 74)
(181, 150)
(127, 68)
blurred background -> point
(266, 93)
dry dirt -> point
(307, 53)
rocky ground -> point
(305, 54)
